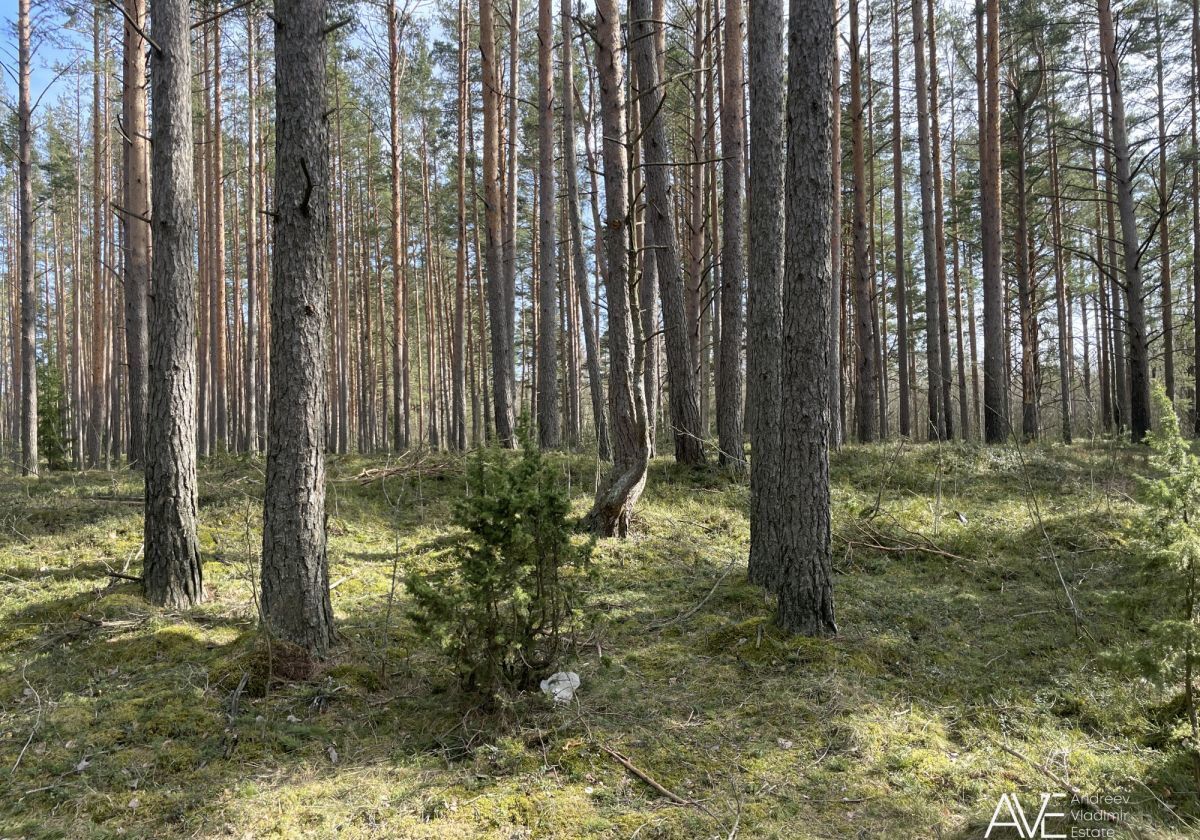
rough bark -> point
(499, 303)
(579, 258)
(29, 401)
(902, 362)
(549, 420)
(995, 350)
(172, 571)
(660, 239)
(730, 398)
(866, 403)
(1135, 317)
(618, 493)
(295, 574)
(804, 579)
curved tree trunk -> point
(619, 492)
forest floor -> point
(987, 602)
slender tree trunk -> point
(995, 347)
(295, 573)
(1060, 283)
(458, 436)
(1139, 363)
(937, 415)
(939, 227)
(250, 382)
(837, 313)
(172, 572)
(902, 361)
(29, 395)
(660, 239)
(579, 257)
(1164, 214)
(499, 301)
(730, 400)
(619, 492)
(865, 399)
(98, 419)
(548, 418)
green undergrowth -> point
(984, 599)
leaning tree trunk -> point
(764, 302)
(1135, 316)
(548, 420)
(804, 577)
(730, 400)
(29, 402)
(660, 239)
(579, 258)
(617, 495)
(172, 552)
(295, 574)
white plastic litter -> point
(561, 686)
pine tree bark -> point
(1164, 218)
(618, 493)
(295, 574)
(250, 356)
(902, 350)
(458, 431)
(549, 420)
(866, 403)
(1135, 318)
(730, 385)
(500, 319)
(29, 395)
(172, 574)
(764, 302)
(995, 347)
(804, 575)
(661, 240)
(579, 258)
(933, 355)
(137, 229)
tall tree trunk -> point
(837, 313)
(804, 578)
(579, 258)
(1164, 213)
(458, 436)
(943, 306)
(1139, 362)
(549, 420)
(136, 223)
(1195, 167)
(865, 398)
(619, 492)
(29, 395)
(660, 239)
(250, 382)
(295, 573)
(499, 301)
(995, 345)
(937, 424)
(730, 400)
(400, 420)
(219, 344)
(98, 416)
(1022, 103)
(902, 362)
(764, 300)
(172, 575)
(1060, 283)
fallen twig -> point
(36, 723)
(641, 774)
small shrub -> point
(501, 608)
(1173, 500)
